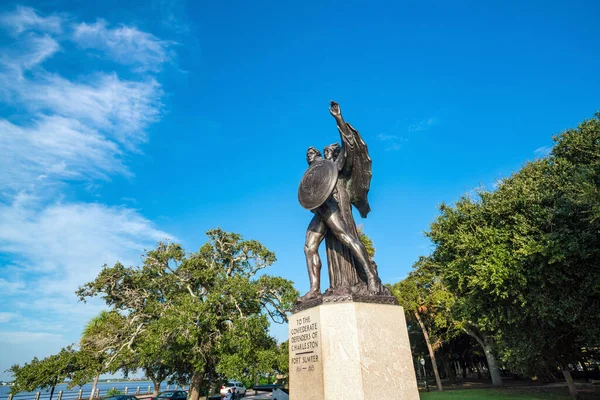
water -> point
(87, 388)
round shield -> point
(317, 184)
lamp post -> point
(422, 360)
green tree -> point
(473, 257)
(151, 351)
(211, 307)
(522, 260)
(426, 300)
(282, 363)
(367, 242)
(50, 371)
(99, 338)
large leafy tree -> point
(559, 198)
(470, 261)
(522, 260)
(208, 312)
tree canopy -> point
(521, 261)
(198, 317)
(68, 364)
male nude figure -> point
(328, 216)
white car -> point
(238, 386)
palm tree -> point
(98, 338)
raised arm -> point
(336, 111)
(346, 136)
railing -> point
(81, 394)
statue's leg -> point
(314, 236)
(332, 217)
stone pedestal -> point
(351, 350)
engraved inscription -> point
(304, 344)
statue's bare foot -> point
(311, 295)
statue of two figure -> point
(329, 188)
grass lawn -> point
(506, 394)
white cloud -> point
(73, 239)
(424, 124)
(20, 346)
(10, 287)
(31, 52)
(384, 137)
(64, 129)
(391, 142)
(54, 148)
(126, 45)
(7, 316)
(76, 129)
(59, 247)
(393, 147)
(543, 151)
(172, 12)
(27, 337)
(120, 108)
(25, 18)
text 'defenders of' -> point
(304, 344)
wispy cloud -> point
(124, 44)
(66, 129)
(31, 52)
(393, 147)
(55, 248)
(385, 138)
(391, 142)
(10, 288)
(26, 18)
(122, 109)
(20, 345)
(54, 148)
(27, 337)
(62, 246)
(7, 316)
(423, 125)
(76, 130)
(543, 151)
(172, 12)
(38, 235)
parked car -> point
(270, 387)
(120, 397)
(171, 395)
(280, 394)
(238, 386)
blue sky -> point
(124, 123)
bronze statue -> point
(329, 188)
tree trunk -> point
(156, 384)
(52, 391)
(572, 389)
(450, 372)
(438, 381)
(487, 344)
(195, 386)
(94, 385)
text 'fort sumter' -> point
(304, 344)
